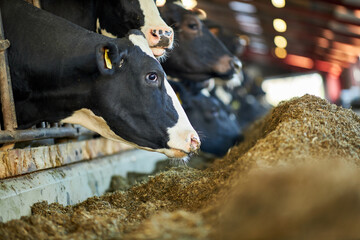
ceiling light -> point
(251, 28)
(258, 47)
(279, 25)
(247, 18)
(280, 52)
(299, 61)
(242, 7)
(278, 3)
(280, 41)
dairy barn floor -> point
(296, 175)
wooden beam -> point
(299, 9)
(16, 162)
(341, 3)
(7, 99)
(223, 15)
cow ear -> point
(200, 13)
(171, 13)
(107, 57)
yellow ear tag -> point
(107, 59)
(178, 96)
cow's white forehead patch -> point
(141, 42)
(152, 16)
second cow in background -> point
(198, 54)
(116, 18)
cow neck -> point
(108, 23)
(85, 11)
(54, 105)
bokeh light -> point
(279, 25)
(280, 41)
(278, 3)
(280, 53)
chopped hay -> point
(296, 176)
(294, 202)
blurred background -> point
(293, 47)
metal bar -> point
(42, 133)
(7, 99)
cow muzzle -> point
(191, 144)
(225, 66)
(160, 39)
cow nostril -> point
(195, 143)
(153, 32)
(168, 33)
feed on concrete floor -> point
(296, 176)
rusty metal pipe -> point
(42, 133)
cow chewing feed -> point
(115, 87)
(216, 125)
(115, 18)
(199, 55)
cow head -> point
(117, 17)
(216, 125)
(199, 54)
(132, 101)
(232, 41)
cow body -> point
(62, 72)
(199, 55)
(115, 18)
(248, 102)
(216, 124)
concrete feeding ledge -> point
(68, 184)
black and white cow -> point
(199, 55)
(115, 87)
(248, 102)
(231, 40)
(216, 124)
(115, 18)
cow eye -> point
(193, 26)
(152, 77)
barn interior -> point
(294, 37)
(294, 175)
